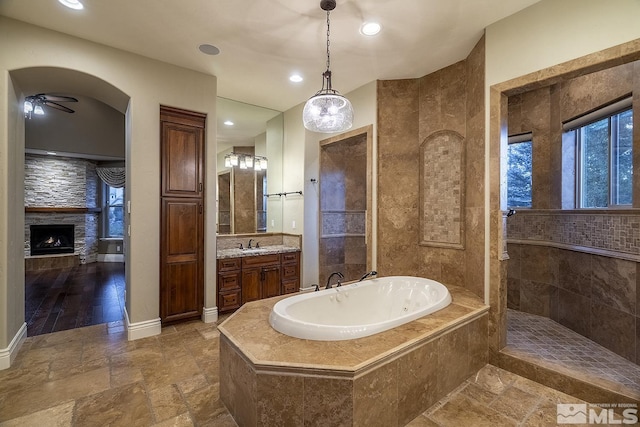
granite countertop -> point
(262, 250)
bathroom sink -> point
(253, 250)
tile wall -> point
(576, 267)
(409, 113)
(596, 296)
(343, 204)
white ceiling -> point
(262, 42)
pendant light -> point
(327, 111)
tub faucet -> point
(369, 274)
(337, 273)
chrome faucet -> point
(249, 245)
(369, 274)
(340, 277)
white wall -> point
(302, 144)
(149, 84)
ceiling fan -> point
(34, 104)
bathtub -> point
(358, 309)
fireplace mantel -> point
(34, 209)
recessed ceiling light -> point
(296, 78)
(72, 4)
(51, 153)
(208, 49)
(370, 28)
(228, 122)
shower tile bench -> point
(267, 378)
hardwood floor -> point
(61, 299)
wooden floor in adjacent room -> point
(68, 298)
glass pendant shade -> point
(248, 161)
(327, 113)
(227, 162)
(38, 110)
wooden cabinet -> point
(229, 280)
(290, 262)
(182, 214)
(246, 279)
(260, 277)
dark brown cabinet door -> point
(182, 216)
(270, 281)
(182, 285)
(182, 155)
(251, 285)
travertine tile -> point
(328, 401)
(460, 411)
(121, 406)
(166, 403)
(515, 403)
(57, 416)
(280, 400)
(417, 381)
(375, 396)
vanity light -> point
(38, 110)
(327, 111)
(295, 78)
(72, 4)
(28, 108)
(228, 123)
(245, 161)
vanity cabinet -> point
(260, 277)
(229, 280)
(250, 278)
(290, 262)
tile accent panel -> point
(442, 190)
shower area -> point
(343, 206)
(573, 294)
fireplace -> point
(52, 239)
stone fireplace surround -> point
(62, 190)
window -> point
(114, 218)
(519, 163)
(604, 163)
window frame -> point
(521, 138)
(106, 207)
(610, 112)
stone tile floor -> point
(93, 376)
(543, 338)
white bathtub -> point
(359, 309)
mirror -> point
(249, 157)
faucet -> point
(369, 274)
(249, 245)
(337, 273)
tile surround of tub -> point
(391, 376)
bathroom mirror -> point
(249, 159)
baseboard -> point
(110, 257)
(144, 329)
(210, 315)
(8, 355)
